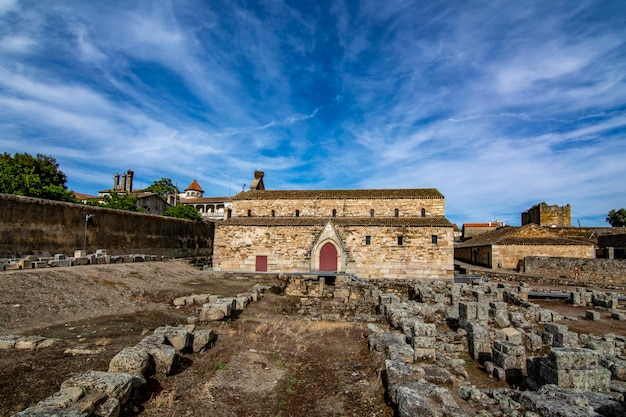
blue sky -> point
(499, 104)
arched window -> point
(423, 212)
(396, 213)
(273, 213)
(297, 213)
(372, 213)
(249, 213)
(334, 212)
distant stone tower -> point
(126, 184)
(549, 216)
(257, 182)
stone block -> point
(423, 342)
(507, 361)
(60, 263)
(499, 373)
(110, 408)
(533, 341)
(467, 311)
(603, 347)
(164, 356)
(132, 360)
(25, 264)
(512, 335)
(178, 337)
(202, 339)
(115, 385)
(555, 328)
(8, 341)
(509, 348)
(573, 358)
(28, 342)
(501, 320)
(592, 315)
(567, 339)
(424, 329)
(81, 261)
(424, 354)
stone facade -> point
(367, 233)
(346, 203)
(545, 215)
(293, 245)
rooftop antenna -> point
(243, 188)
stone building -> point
(395, 233)
(550, 216)
(210, 208)
(506, 246)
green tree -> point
(163, 187)
(23, 174)
(116, 201)
(183, 211)
(617, 218)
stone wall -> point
(289, 249)
(509, 256)
(545, 215)
(599, 270)
(345, 207)
(30, 226)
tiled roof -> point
(423, 193)
(341, 221)
(197, 200)
(491, 224)
(530, 234)
(81, 196)
(194, 186)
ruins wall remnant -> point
(545, 215)
(601, 270)
(32, 226)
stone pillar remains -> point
(572, 368)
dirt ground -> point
(268, 361)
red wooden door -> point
(261, 263)
(328, 258)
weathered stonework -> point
(292, 248)
(384, 233)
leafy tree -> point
(116, 201)
(183, 211)
(23, 174)
(617, 218)
(163, 187)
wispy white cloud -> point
(500, 105)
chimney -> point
(116, 181)
(130, 175)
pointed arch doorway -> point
(328, 258)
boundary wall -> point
(33, 226)
(599, 270)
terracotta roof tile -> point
(530, 234)
(425, 193)
(194, 186)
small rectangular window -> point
(399, 240)
(368, 240)
(433, 239)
